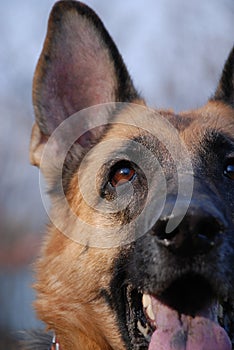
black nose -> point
(197, 233)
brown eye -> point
(122, 174)
(229, 169)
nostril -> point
(206, 228)
(160, 231)
(198, 232)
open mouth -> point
(186, 316)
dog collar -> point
(55, 344)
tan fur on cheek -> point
(70, 278)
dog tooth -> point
(141, 328)
(220, 311)
(144, 330)
(150, 313)
(146, 300)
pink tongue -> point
(174, 332)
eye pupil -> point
(125, 171)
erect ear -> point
(79, 67)
(225, 89)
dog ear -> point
(225, 89)
(79, 67)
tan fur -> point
(70, 287)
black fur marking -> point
(214, 151)
(127, 303)
(119, 297)
(107, 297)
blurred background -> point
(174, 50)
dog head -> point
(140, 249)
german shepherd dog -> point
(140, 247)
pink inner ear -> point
(81, 76)
(86, 140)
(75, 70)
